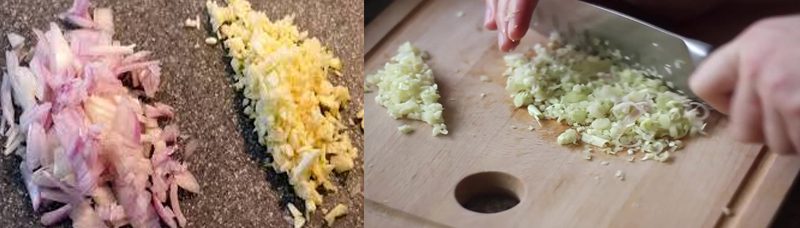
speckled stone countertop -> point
(236, 190)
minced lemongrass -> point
(407, 90)
(607, 103)
(405, 129)
(570, 136)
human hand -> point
(756, 80)
(510, 18)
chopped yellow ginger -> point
(211, 41)
(338, 211)
(297, 216)
(283, 76)
(406, 88)
(360, 115)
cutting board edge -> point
(762, 192)
(386, 22)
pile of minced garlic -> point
(609, 105)
(407, 90)
(296, 110)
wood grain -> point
(763, 193)
(410, 179)
(391, 16)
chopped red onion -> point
(88, 143)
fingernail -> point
(510, 28)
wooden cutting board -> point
(237, 190)
(411, 179)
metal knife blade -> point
(671, 55)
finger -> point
(504, 43)
(791, 102)
(500, 15)
(775, 132)
(793, 128)
(521, 12)
(745, 113)
(501, 20)
(488, 20)
(715, 79)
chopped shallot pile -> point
(90, 147)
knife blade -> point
(673, 56)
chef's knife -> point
(671, 55)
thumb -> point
(715, 79)
(718, 82)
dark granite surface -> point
(236, 190)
